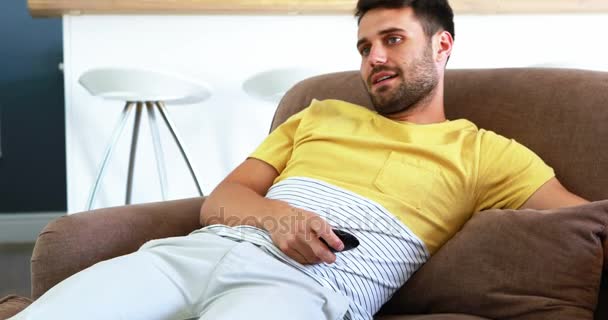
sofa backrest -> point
(561, 114)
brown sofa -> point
(560, 114)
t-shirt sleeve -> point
(509, 173)
(276, 149)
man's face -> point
(397, 61)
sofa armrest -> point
(74, 242)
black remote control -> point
(350, 241)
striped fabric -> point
(369, 275)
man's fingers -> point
(323, 230)
(296, 256)
(300, 254)
(314, 249)
(302, 243)
(321, 251)
(297, 248)
(304, 249)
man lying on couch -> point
(403, 180)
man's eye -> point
(394, 40)
(364, 51)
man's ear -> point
(442, 46)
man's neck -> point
(426, 111)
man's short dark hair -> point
(434, 15)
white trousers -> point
(200, 276)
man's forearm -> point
(234, 204)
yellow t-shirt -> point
(431, 177)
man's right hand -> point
(296, 232)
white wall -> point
(224, 51)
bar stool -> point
(271, 85)
(138, 88)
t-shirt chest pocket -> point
(409, 179)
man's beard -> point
(417, 85)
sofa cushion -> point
(11, 305)
(514, 264)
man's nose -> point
(377, 56)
